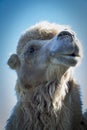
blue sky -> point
(16, 16)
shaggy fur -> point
(49, 100)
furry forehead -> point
(41, 31)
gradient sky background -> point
(15, 17)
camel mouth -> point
(71, 55)
(67, 59)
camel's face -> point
(43, 60)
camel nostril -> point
(65, 34)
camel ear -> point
(13, 61)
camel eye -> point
(31, 50)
